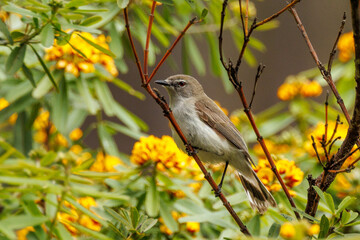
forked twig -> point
(316, 151)
(260, 69)
(232, 72)
(168, 114)
(333, 51)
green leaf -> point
(214, 55)
(51, 205)
(254, 225)
(204, 12)
(305, 215)
(191, 3)
(48, 159)
(274, 230)
(15, 60)
(194, 55)
(165, 213)
(47, 36)
(128, 88)
(330, 202)
(148, 224)
(324, 227)
(5, 31)
(107, 141)
(62, 233)
(45, 68)
(125, 130)
(28, 74)
(22, 221)
(22, 11)
(84, 91)
(344, 204)
(91, 20)
(122, 217)
(134, 215)
(60, 107)
(126, 117)
(122, 3)
(98, 47)
(43, 87)
(152, 203)
(104, 95)
(345, 217)
(89, 191)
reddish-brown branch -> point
(191, 22)
(168, 114)
(233, 78)
(148, 35)
(326, 118)
(333, 51)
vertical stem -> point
(148, 35)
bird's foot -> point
(190, 151)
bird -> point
(214, 137)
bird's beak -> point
(162, 82)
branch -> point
(328, 176)
(148, 35)
(168, 114)
(233, 78)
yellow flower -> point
(3, 103)
(77, 149)
(90, 223)
(314, 229)
(76, 134)
(346, 47)
(162, 151)
(40, 136)
(165, 229)
(311, 89)
(193, 227)
(12, 119)
(3, 15)
(235, 120)
(287, 91)
(42, 120)
(87, 202)
(21, 234)
(73, 62)
(105, 163)
(60, 140)
(66, 218)
(291, 174)
(287, 230)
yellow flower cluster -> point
(294, 86)
(346, 47)
(299, 230)
(47, 134)
(105, 163)
(164, 152)
(290, 173)
(75, 216)
(72, 61)
(191, 227)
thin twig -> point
(148, 35)
(191, 22)
(221, 32)
(246, 17)
(326, 116)
(344, 158)
(348, 169)
(260, 69)
(323, 145)
(333, 51)
(316, 151)
(332, 143)
(233, 78)
(335, 129)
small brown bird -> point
(213, 135)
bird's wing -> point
(213, 116)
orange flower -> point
(346, 47)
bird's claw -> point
(191, 151)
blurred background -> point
(285, 54)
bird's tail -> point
(260, 198)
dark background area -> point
(286, 54)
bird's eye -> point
(182, 83)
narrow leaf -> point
(15, 60)
(5, 31)
(28, 74)
(45, 68)
(345, 203)
(324, 227)
(330, 202)
(122, 3)
(152, 203)
(274, 230)
(47, 36)
(91, 20)
(98, 47)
